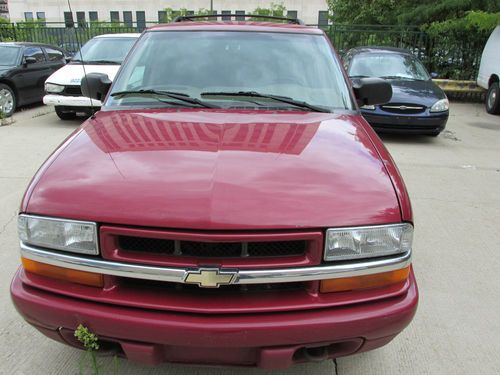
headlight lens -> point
(53, 88)
(68, 235)
(440, 106)
(367, 242)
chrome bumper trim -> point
(242, 276)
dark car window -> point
(9, 55)
(391, 65)
(298, 66)
(54, 55)
(35, 52)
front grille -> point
(212, 249)
(158, 286)
(403, 108)
(72, 91)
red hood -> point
(209, 169)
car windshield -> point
(9, 55)
(250, 67)
(387, 65)
(105, 50)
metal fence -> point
(453, 56)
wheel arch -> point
(493, 78)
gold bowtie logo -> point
(210, 277)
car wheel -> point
(7, 100)
(65, 115)
(493, 99)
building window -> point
(127, 18)
(40, 16)
(226, 15)
(161, 16)
(239, 14)
(190, 13)
(80, 19)
(323, 18)
(68, 19)
(115, 16)
(292, 14)
(28, 16)
(140, 16)
(93, 17)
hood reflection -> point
(122, 131)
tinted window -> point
(9, 55)
(35, 52)
(387, 65)
(300, 66)
(54, 55)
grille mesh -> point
(212, 249)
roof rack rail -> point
(295, 21)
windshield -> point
(388, 65)
(107, 50)
(297, 66)
(9, 55)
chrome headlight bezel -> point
(441, 105)
(59, 234)
(53, 88)
(358, 239)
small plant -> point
(90, 342)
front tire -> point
(65, 115)
(493, 99)
(7, 100)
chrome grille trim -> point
(243, 276)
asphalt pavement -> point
(454, 185)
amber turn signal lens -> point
(376, 280)
(65, 274)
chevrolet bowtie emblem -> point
(210, 277)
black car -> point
(418, 105)
(24, 67)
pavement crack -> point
(335, 367)
(8, 222)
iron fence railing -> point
(453, 55)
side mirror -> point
(29, 60)
(95, 86)
(434, 75)
(371, 91)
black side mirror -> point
(29, 60)
(434, 75)
(371, 91)
(95, 85)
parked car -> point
(489, 72)
(228, 205)
(101, 54)
(418, 105)
(24, 67)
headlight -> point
(367, 242)
(59, 234)
(53, 88)
(368, 106)
(440, 106)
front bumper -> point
(428, 124)
(266, 340)
(70, 101)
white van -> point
(101, 54)
(489, 72)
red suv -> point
(229, 205)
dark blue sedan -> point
(418, 105)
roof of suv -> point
(237, 26)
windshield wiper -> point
(169, 94)
(97, 62)
(278, 98)
(400, 77)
